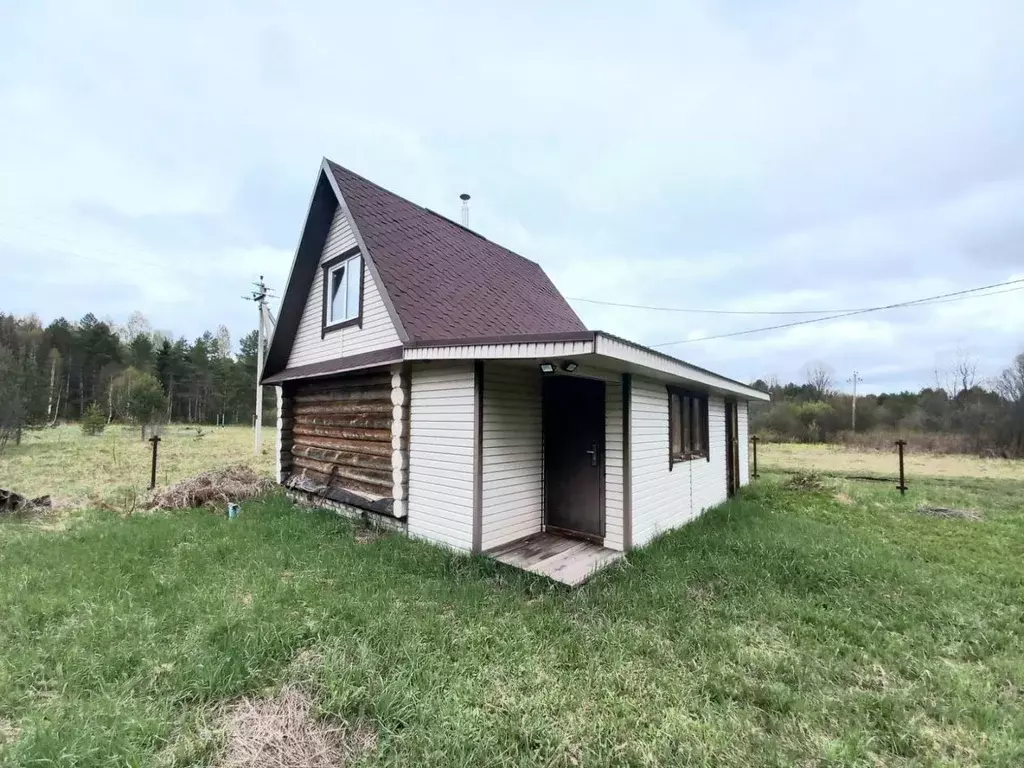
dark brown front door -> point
(574, 454)
(732, 448)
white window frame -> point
(353, 270)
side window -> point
(342, 290)
(687, 425)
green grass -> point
(835, 628)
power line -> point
(690, 310)
(939, 299)
(708, 311)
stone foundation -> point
(368, 516)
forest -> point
(957, 414)
(66, 371)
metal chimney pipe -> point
(465, 209)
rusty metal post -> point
(903, 483)
(754, 441)
(152, 477)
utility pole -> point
(853, 417)
(259, 296)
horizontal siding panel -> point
(743, 433)
(441, 454)
(666, 498)
(377, 331)
(513, 470)
(613, 538)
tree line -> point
(128, 372)
(959, 414)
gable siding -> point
(513, 454)
(441, 440)
(377, 331)
(666, 498)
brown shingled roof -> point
(445, 281)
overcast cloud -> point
(730, 155)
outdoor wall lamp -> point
(546, 367)
(569, 366)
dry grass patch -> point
(283, 732)
(833, 458)
(108, 469)
(950, 513)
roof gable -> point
(444, 281)
(439, 281)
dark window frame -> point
(325, 326)
(697, 402)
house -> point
(435, 381)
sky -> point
(732, 155)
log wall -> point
(341, 433)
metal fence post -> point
(152, 477)
(903, 483)
(754, 441)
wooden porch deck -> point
(570, 561)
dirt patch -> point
(950, 513)
(368, 534)
(216, 488)
(9, 732)
(282, 732)
(844, 498)
(806, 481)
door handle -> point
(593, 454)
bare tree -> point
(959, 375)
(223, 339)
(137, 324)
(1011, 383)
(821, 378)
(965, 369)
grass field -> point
(788, 627)
(108, 469)
(835, 459)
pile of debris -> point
(214, 489)
(16, 503)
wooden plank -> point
(327, 469)
(348, 394)
(361, 420)
(346, 433)
(375, 489)
(362, 407)
(371, 447)
(343, 458)
(570, 561)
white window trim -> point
(348, 264)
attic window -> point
(687, 426)
(342, 289)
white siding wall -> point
(377, 332)
(743, 433)
(664, 498)
(441, 454)
(513, 457)
(613, 462)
